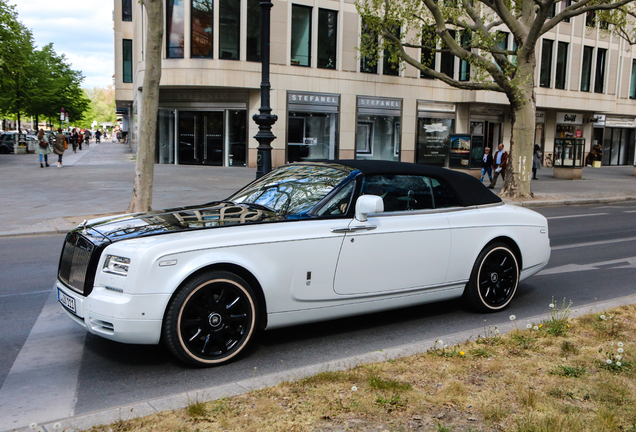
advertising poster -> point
(459, 151)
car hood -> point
(211, 215)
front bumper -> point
(126, 318)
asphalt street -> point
(50, 368)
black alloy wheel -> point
(494, 279)
(211, 319)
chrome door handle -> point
(354, 229)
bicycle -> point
(548, 160)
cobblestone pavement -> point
(98, 180)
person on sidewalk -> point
(74, 137)
(486, 165)
(60, 146)
(80, 138)
(87, 137)
(43, 148)
(500, 162)
(536, 161)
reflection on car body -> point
(304, 243)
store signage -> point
(539, 117)
(569, 118)
(201, 95)
(379, 103)
(486, 110)
(624, 122)
(579, 133)
(435, 127)
(433, 106)
(598, 120)
(313, 98)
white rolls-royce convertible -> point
(306, 242)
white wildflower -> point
(619, 357)
(439, 342)
(620, 350)
(619, 364)
(620, 344)
(551, 305)
(528, 326)
(496, 330)
(536, 327)
(608, 361)
(354, 388)
(33, 426)
(612, 343)
(602, 317)
(512, 317)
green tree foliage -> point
(35, 82)
(101, 108)
(472, 30)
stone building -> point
(331, 103)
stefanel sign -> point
(569, 118)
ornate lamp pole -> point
(265, 119)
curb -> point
(182, 400)
(527, 204)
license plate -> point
(67, 301)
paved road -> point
(50, 368)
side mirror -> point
(367, 204)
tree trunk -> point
(523, 109)
(145, 166)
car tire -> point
(211, 319)
(494, 279)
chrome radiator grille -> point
(74, 262)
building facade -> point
(333, 104)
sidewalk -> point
(99, 179)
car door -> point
(406, 247)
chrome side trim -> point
(353, 229)
(435, 211)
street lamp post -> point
(265, 119)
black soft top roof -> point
(468, 189)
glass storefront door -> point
(618, 146)
(201, 137)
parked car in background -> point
(8, 140)
(307, 242)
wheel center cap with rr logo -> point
(215, 319)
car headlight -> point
(116, 265)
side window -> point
(400, 192)
(442, 195)
(339, 204)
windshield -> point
(292, 190)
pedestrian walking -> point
(43, 148)
(60, 146)
(500, 162)
(87, 137)
(536, 161)
(486, 165)
(74, 139)
(80, 139)
(98, 136)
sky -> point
(82, 30)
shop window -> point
(237, 138)
(447, 64)
(126, 10)
(368, 63)
(586, 68)
(561, 65)
(175, 10)
(464, 66)
(599, 76)
(311, 136)
(301, 36)
(327, 38)
(229, 29)
(127, 60)
(390, 68)
(433, 140)
(632, 87)
(378, 137)
(427, 56)
(202, 14)
(254, 30)
(546, 63)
